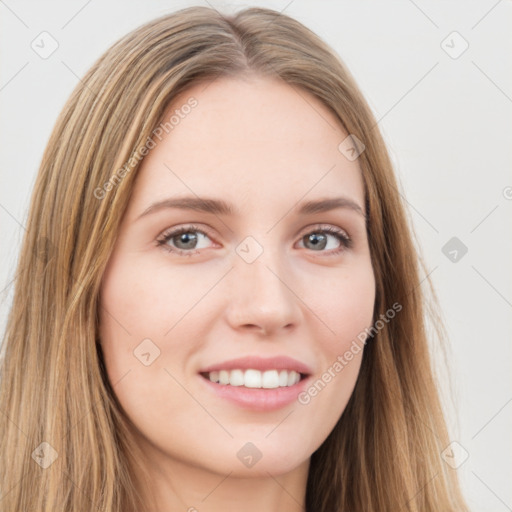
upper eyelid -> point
(168, 233)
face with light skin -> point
(264, 149)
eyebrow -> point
(221, 207)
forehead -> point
(249, 140)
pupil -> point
(318, 241)
(187, 238)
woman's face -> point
(256, 272)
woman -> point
(218, 302)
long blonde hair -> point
(384, 452)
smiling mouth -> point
(256, 379)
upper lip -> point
(260, 363)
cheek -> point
(142, 352)
(345, 304)
(140, 299)
(355, 304)
(144, 316)
(131, 316)
(347, 309)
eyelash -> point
(345, 241)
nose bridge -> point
(260, 267)
(261, 295)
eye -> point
(184, 240)
(187, 240)
(334, 239)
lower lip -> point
(258, 399)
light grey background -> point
(447, 122)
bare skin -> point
(260, 146)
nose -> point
(262, 296)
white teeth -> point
(224, 377)
(291, 378)
(236, 378)
(252, 379)
(268, 379)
